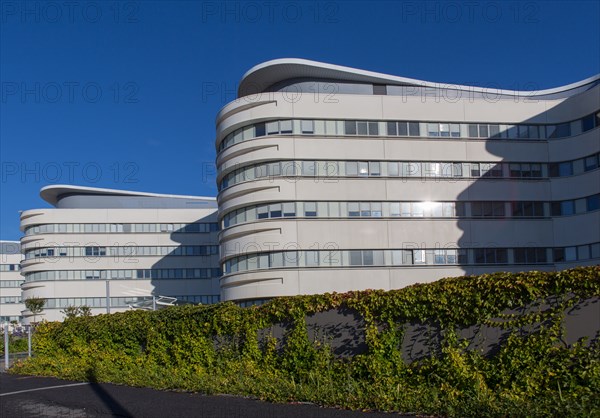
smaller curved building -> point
(113, 249)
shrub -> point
(223, 348)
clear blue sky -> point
(110, 94)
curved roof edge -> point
(53, 193)
(270, 72)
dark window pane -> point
(587, 123)
(517, 209)
(498, 208)
(593, 202)
(479, 256)
(379, 89)
(538, 209)
(362, 128)
(367, 258)
(556, 209)
(591, 163)
(553, 170)
(473, 132)
(559, 254)
(563, 130)
(565, 169)
(460, 209)
(355, 258)
(392, 128)
(373, 128)
(413, 129)
(519, 256)
(259, 129)
(476, 209)
(483, 131)
(541, 255)
(502, 256)
(403, 129)
(350, 127)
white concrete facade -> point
(128, 246)
(337, 179)
(11, 303)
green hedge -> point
(216, 349)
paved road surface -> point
(29, 397)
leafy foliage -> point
(35, 306)
(71, 312)
(226, 349)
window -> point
(307, 127)
(351, 168)
(259, 130)
(392, 128)
(487, 209)
(353, 209)
(286, 126)
(593, 202)
(350, 127)
(473, 131)
(413, 129)
(520, 209)
(95, 251)
(567, 207)
(289, 209)
(591, 163)
(587, 123)
(379, 89)
(565, 169)
(374, 168)
(363, 168)
(309, 168)
(310, 209)
(275, 210)
(530, 255)
(491, 256)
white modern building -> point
(11, 303)
(112, 250)
(334, 179)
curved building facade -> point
(335, 179)
(113, 249)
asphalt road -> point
(27, 396)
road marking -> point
(46, 388)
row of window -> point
(10, 267)
(10, 299)
(451, 256)
(576, 206)
(411, 129)
(121, 302)
(147, 274)
(333, 169)
(121, 228)
(125, 251)
(4, 319)
(475, 209)
(10, 283)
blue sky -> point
(116, 93)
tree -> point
(35, 306)
(75, 311)
(70, 312)
(85, 311)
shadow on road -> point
(109, 401)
